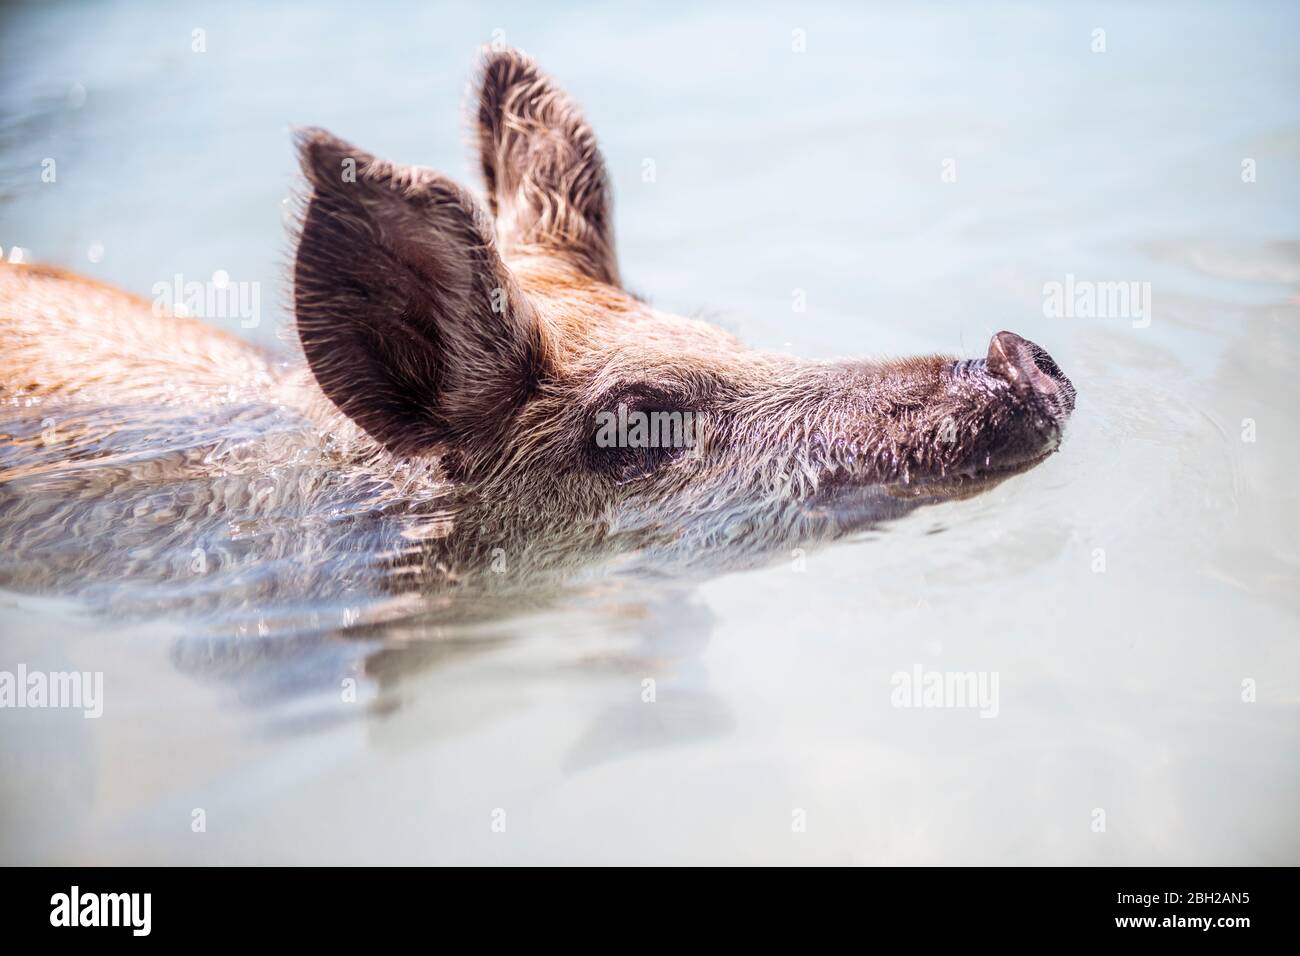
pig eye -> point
(626, 465)
(637, 432)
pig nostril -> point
(1047, 366)
(1026, 365)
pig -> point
(465, 377)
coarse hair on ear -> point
(410, 322)
(544, 174)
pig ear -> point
(410, 322)
(544, 174)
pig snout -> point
(1029, 369)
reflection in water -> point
(296, 559)
(673, 629)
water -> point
(1119, 690)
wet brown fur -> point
(66, 336)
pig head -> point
(499, 338)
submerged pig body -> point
(458, 363)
